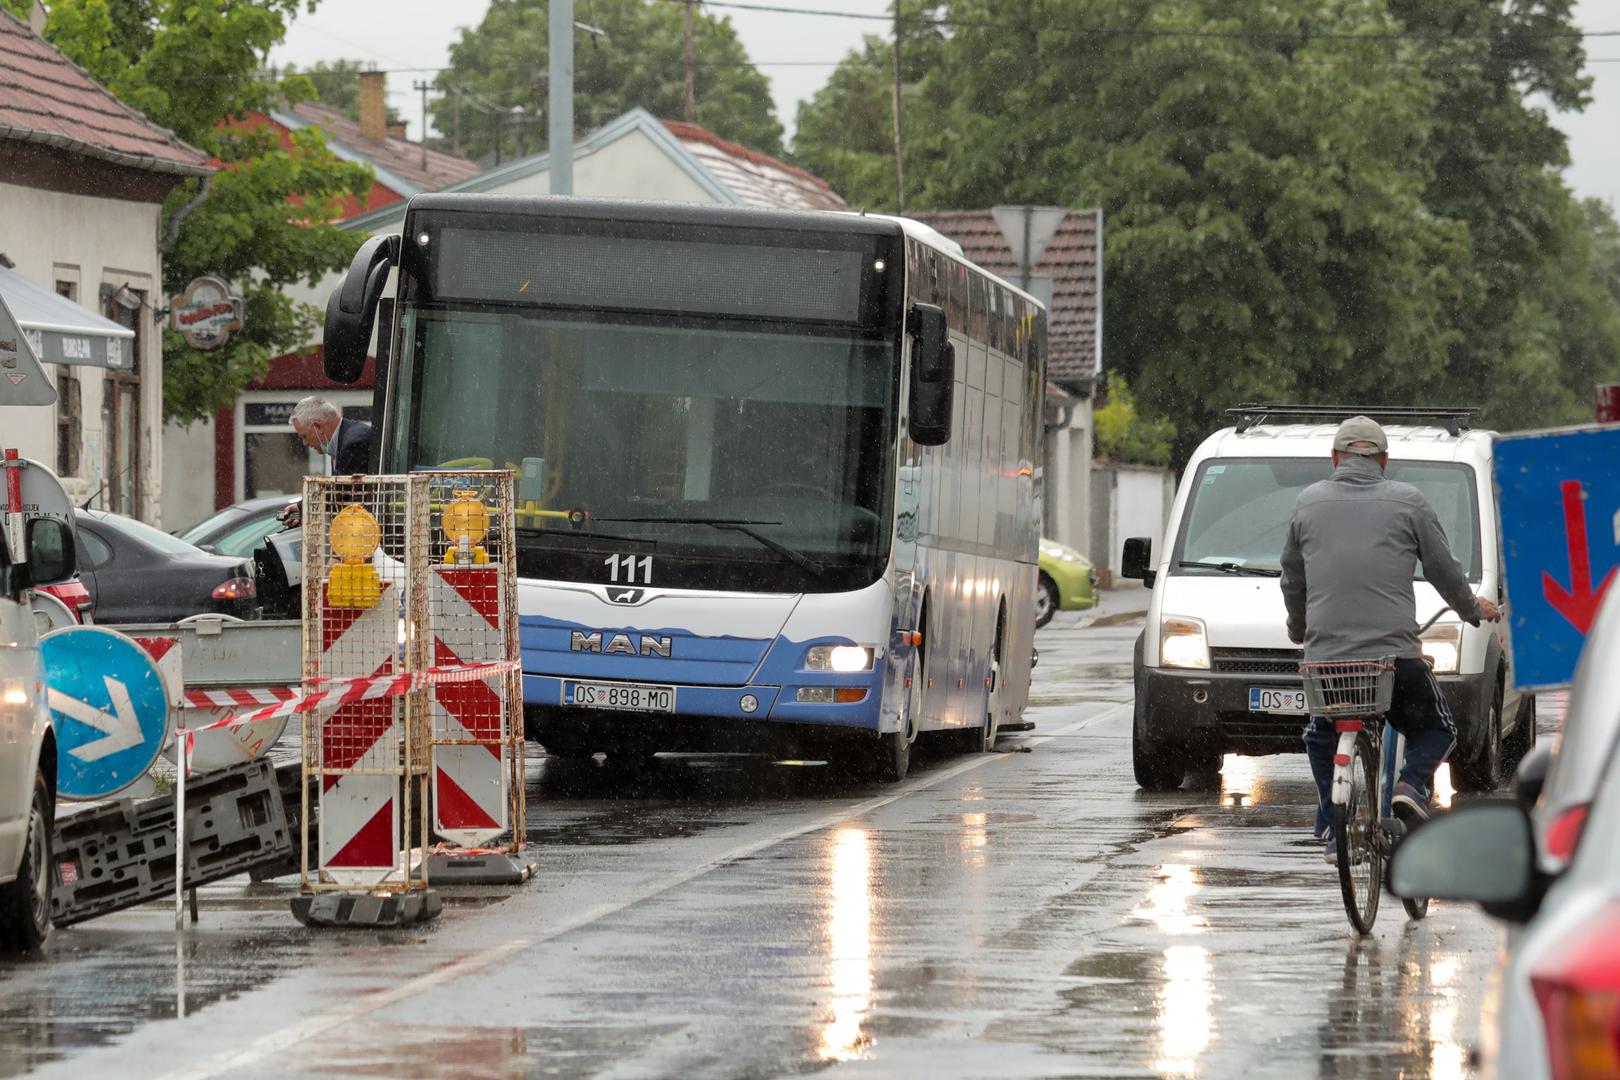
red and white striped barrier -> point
(359, 813)
(470, 796)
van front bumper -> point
(1210, 711)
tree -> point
(337, 86)
(266, 218)
(1308, 199)
(1124, 434)
(502, 65)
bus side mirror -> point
(933, 375)
(351, 311)
(1137, 560)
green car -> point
(1068, 581)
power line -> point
(1027, 26)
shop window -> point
(69, 429)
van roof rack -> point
(1454, 418)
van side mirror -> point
(933, 375)
(1137, 560)
(351, 311)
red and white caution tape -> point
(341, 692)
(239, 697)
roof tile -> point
(757, 179)
(44, 97)
(1071, 260)
(399, 156)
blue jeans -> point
(1418, 710)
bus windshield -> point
(1239, 509)
(698, 448)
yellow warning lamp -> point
(353, 582)
(466, 523)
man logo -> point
(625, 596)
(620, 644)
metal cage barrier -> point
(1346, 688)
(476, 729)
(368, 749)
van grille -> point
(1255, 661)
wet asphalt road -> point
(1027, 913)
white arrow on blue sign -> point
(109, 707)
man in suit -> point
(347, 443)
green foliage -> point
(1299, 203)
(502, 64)
(266, 220)
(1124, 434)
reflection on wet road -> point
(1018, 914)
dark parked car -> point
(137, 573)
(239, 529)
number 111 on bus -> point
(629, 564)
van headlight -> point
(839, 658)
(1182, 643)
(1442, 646)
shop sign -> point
(207, 313)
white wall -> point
(1126, 501)
(50, 237)
(188, 473)
(1068, 478)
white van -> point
(1215, 671)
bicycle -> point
(1349, 693)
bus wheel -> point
(894, 747)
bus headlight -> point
(1442, 645)
(839, 658)
(1182, 643)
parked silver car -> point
(27, 741)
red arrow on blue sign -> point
(1579, 605)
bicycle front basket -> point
(1341, 688)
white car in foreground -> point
(1558, 984)
(27, 741)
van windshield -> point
(1239, 508)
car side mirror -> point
(1136, 561)
(1482, 851)
(351, 311)
(51, 556)
(933, 375)
(1531, 775)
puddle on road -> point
(493, 1053)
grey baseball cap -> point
(1360, 435)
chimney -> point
(373, 113)
(396, 129)
(37, 18)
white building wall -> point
(188, 473)
(50, 237)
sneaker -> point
(1408, 804)
(1330, 854)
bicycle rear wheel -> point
(1355, 835)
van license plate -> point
(636, 697)
(1270, 699)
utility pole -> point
(423, 86)
(899, 159)
(455, 119)
(691, 80)
(561, 98)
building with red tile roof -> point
(83, 178)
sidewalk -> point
(1117, 607)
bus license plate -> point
(636, 697)
(1270, 699)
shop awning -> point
(61, 331)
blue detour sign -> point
(1560, 508)
(109, 707)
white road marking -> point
(308, 1028)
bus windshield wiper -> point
(1234, 568)
(534, 530)
(734, 525)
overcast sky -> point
(398, 34)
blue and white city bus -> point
(779, 474)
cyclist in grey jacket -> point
(1354, 543)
